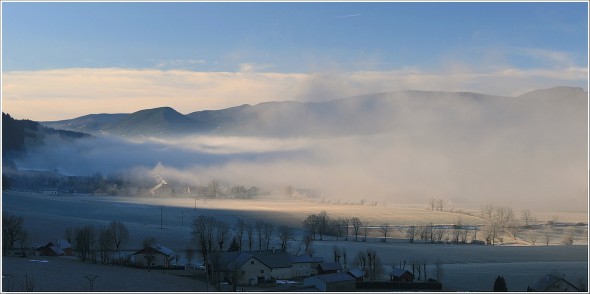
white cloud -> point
(67, 93)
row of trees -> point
(212, 235)
(93, 243)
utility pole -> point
(161, 212)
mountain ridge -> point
(362, 114)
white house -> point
(155, 255)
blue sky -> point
(286, 37)
(483, 47)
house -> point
(357, 274)
(337, 282)
(401, 275)
(254, 267)
(65, 246)
(264, 266)
(50, 249)
(49, 191)
(305, 265)
(329, 268)
(162, 189)
(553, 283)
(155, 255)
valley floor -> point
(465, 267)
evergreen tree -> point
(500, 285)
(234, 245)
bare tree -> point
(526, 217)
(259, 227)
(411, 233)
(356, 226)
(487, 211)
(267, 231)
(337, 253)
(385, 228)
(307, 242)
(12, 230)
(456, 231)
(337, 227)
(311, 224)
(250, 234)
(203, 234)
(439, 234)
(239, 232)
(85, 238)
(221, 231)
(374, 265)
(286, 235)
(148, 244)
(24, 243)
(547, 236)
(440, 204)
(119, 233)
(213, 188)
(432, 203)
(568, 237)
(323, 221)
(345, 222)
(361, 261)
(105, 244)
(439, 270)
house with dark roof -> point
(65, 246)
(329, 268)
(305, 265)
(336, 282)
(553, 283)
(50, 249)
(155, 255)
(58, 248)
(357, 274)
(264, 266)
(255, 267)
(401, 275)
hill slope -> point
(360, 115)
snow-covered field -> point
(466, 267)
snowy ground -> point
(63, 274)
(465, 267)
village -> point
(321, 253)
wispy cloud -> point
(349, 15)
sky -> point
(63, 60)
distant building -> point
(401, 275)
(65, 246)
(305, 265)
(264, 266)
(50, 249)
(159, 255)
(357, 274)
(553, 283)
(338, 282)
(58, 248)
(49, 191)
(329, 268)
